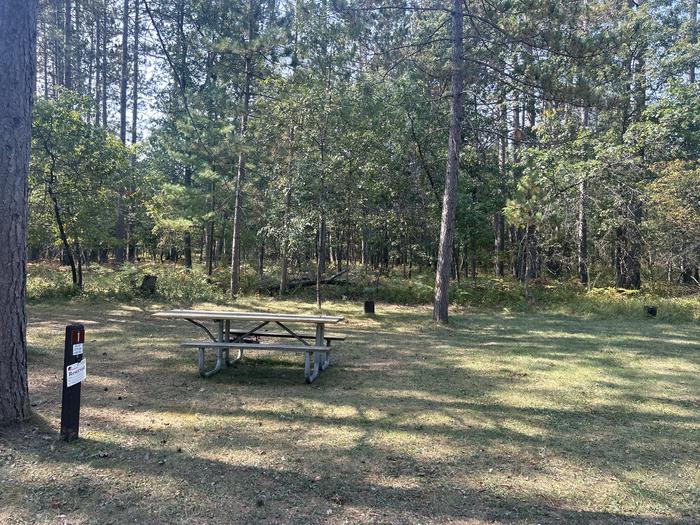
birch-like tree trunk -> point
(442, 274)
(17, 64)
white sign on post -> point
(78, 349)
(75, 373)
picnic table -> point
(253, 337)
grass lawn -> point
(497, 418)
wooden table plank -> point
(223, 315)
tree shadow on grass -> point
(400, 389)
(102, 481)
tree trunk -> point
(120, 249)
(582, 228)
(58, 44)
(90, 66)
(499, 222)
(320, 259)
(78, 76)
(188, 235)
(261, 259)
(284, 272)
(532, 253)
(474, 260)
(365, 248)
(693, 37)
(220, 249)
(67, 250)
(322, 246)
(135, 94)
(124, 72)
(68, 47)
(79, 252)
(628, 248)
(240, 176)
(17, 63)
(499, 243)
(210, 232)
(104, 66)
(98, 66)
(442, 274)
(284, 266)
(45, 52)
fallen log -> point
(299, 283)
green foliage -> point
(76, 172)
(175, 284)
(181, 286)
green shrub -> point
(177, 285)
(48, 282)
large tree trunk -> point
(442, 274)
(17, 63)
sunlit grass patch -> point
(515, 417)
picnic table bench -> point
(242, 339)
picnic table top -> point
(223, 315)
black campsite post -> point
(73, 375)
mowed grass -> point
(496, 418)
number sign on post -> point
(73, 374)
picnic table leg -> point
(322, 358)
(327, 362)
(221, 355)
(202, 371)
(224, 336)
(311, 374)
